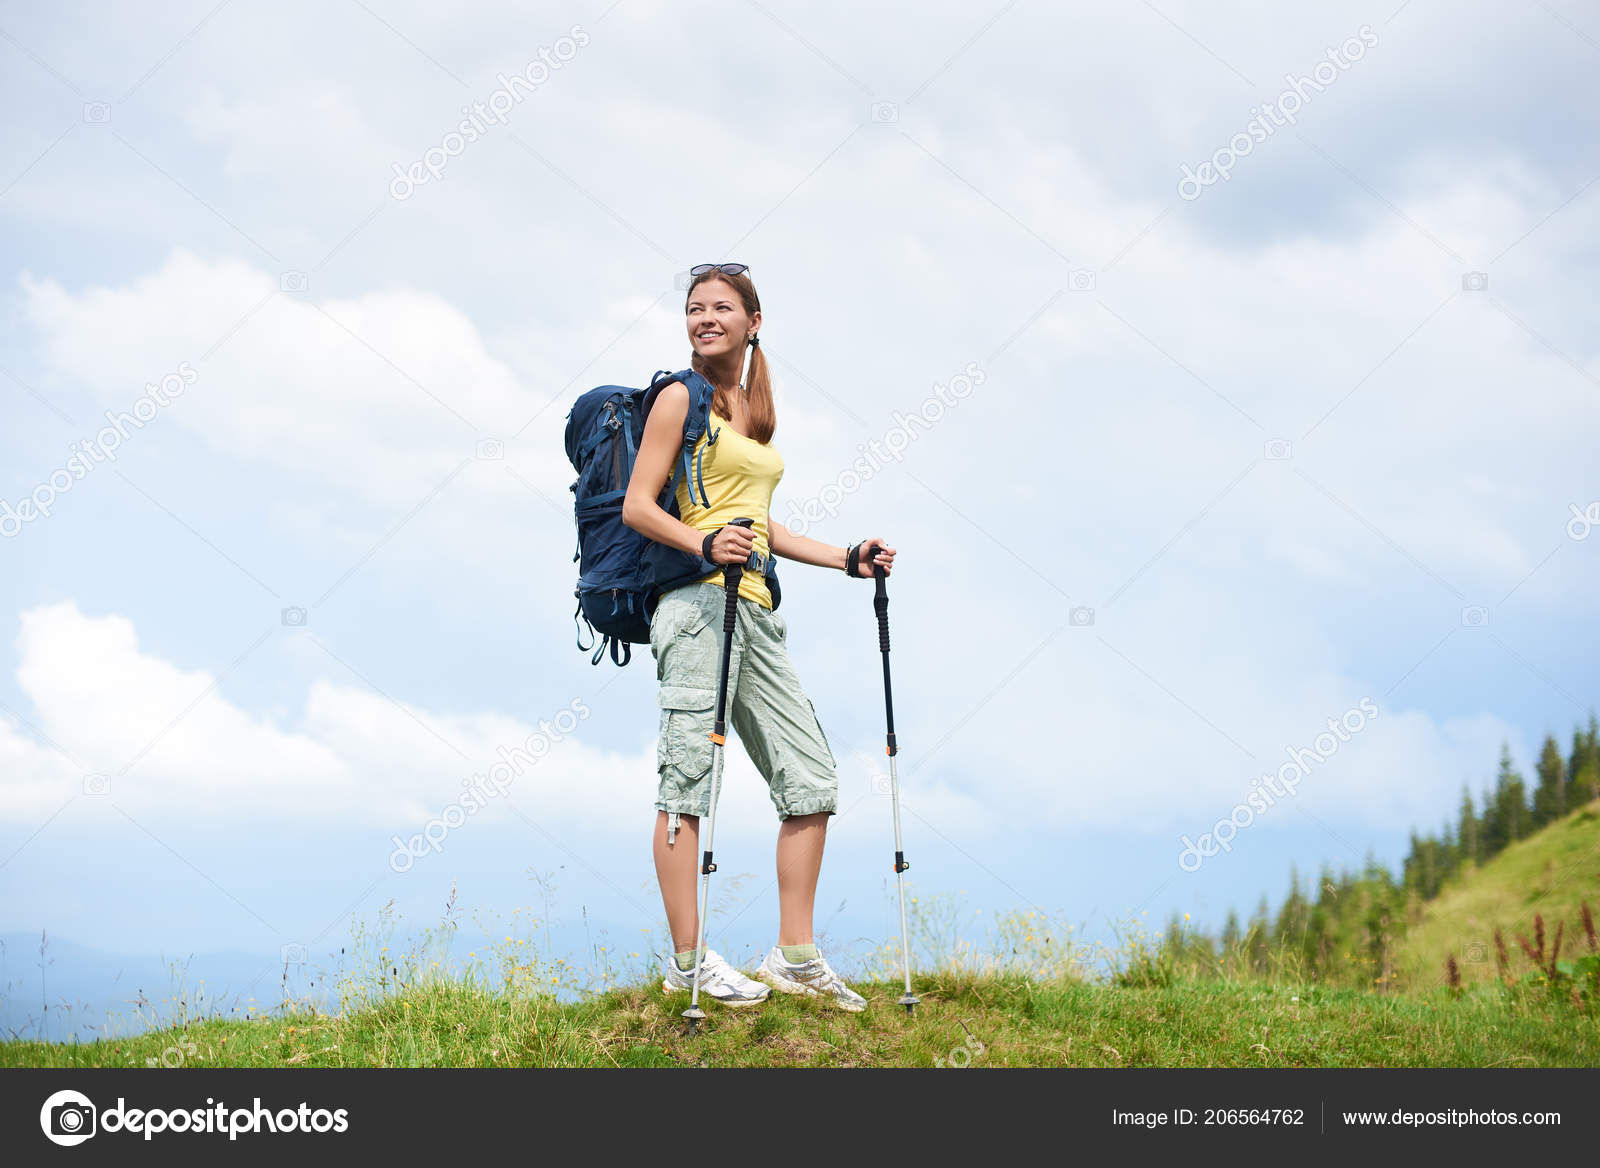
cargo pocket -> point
(675, 618)
(684, 727)
(694, 621)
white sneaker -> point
(814, 977)
(719, 981)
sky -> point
(1222, 374)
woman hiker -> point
(767, 706)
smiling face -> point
(717, 321)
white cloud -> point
(1115, 751)
(174, 743)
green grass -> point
(964, 1020)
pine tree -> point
(1290, 931)
(1468, 832)
(1505, 817)
(1327, 889)
(1321, 924)
(1583, 769)
(1516, 814)
(1424, 871)
(1550, 797)
(1412, 871)
(1449, 854)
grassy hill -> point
(964, 1022)
(1551, 873)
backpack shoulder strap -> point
(694, 422)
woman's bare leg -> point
(800, 840)
(677, 867)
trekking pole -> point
(719, 732)
(880, 604)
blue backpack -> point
(623, 574)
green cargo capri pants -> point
(766, 706)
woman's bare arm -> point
(806, 550)
(658, 449)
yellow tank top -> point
(740, 475)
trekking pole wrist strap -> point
(705, 545)
(852, 558)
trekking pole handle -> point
(705, 544)
(730, 577)
(880, 605)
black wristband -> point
(852, 558)
(705, 545)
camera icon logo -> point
(173, 1056)
(294, 617)
(881, 783)
(1582, 521)
(1277, 449)
(680, 281)
(1475, 281)
(97, 784)
(1475, 616)
(97, 112)
(1081, 617)
(1477, 953)
(293, 282)
(491, 449)
(961, 1057)
(1081, 280)
(293, 954)
(68, 1118)
(885, 111)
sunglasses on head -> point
(726, 269)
